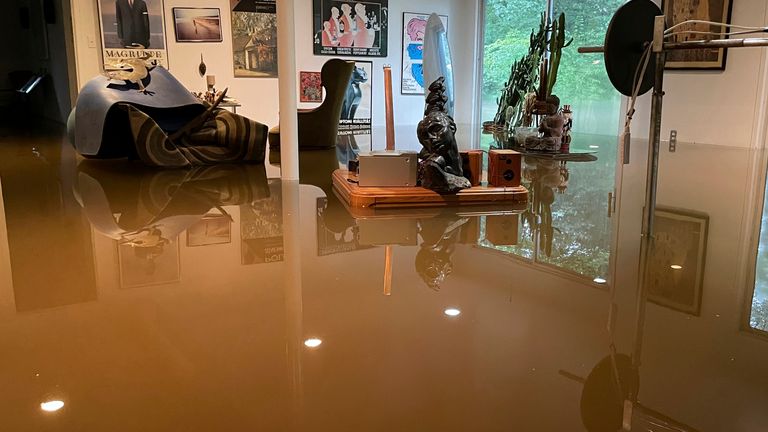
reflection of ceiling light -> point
(452, 312)
(596, 62)
(313, 343)
(676, 267)
(599, 280)
(594, 147)
(52, 406)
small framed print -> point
(311, 87)
(197, 24)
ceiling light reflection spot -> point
(594, 146)
(313, 343)
(599, 280)
(676, 267)
(51, 406)
(452, 312)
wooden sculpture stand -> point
(354, 196)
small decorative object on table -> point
(440, 166)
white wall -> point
(259, 96)
(409, 109)
(713, 107)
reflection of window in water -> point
(566, 224)
(759, 312)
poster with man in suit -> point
(133, 29)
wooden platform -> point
(355, 196)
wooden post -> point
(389, 107)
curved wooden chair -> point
(318, 127)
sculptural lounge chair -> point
(318, 127)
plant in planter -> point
(522, 80)
(547, 106)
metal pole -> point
(647, 239)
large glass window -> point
(582, 81)
(566, 224)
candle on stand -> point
(210, 80)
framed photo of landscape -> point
(197, 24)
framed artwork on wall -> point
(678, 11)
(310, 87)
(350, 28)
(412, 71)
(197, 24)
(358, 100)
(254, 38)
(133, 29)
(676, 267)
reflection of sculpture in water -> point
(440, 162)
(439, 237)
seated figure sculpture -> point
(440, 167)
(152, 117)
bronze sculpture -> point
(440, 166)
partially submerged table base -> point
(345, 185)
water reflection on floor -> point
(221, 298)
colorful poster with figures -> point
(350, 28)
(358, 100)
(133, 29)
(414, 27)
(254, 38)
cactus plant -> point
(556, 44)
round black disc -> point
(630, 29)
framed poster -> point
(254, 38)
(678, 11)
(412, 76)
(133, 29)
(350, 28)
(197, 24)
(358, 100)
(310, 87)
(676, 267)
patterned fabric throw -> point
(224, 137)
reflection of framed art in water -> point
(212, 229)
(676, 267)
(144, 266)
